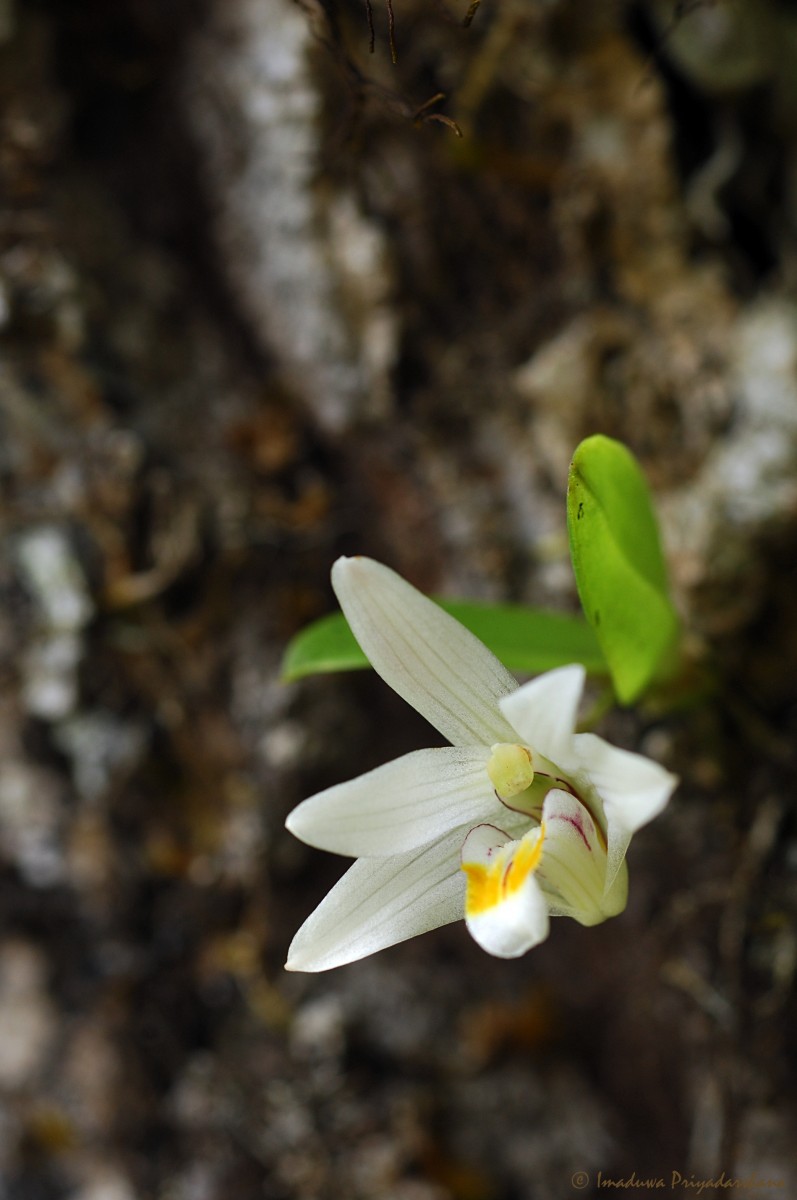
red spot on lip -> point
(597, 828)
(577, 824)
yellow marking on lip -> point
(489, 886)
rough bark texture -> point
(260, 306)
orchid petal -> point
(381, 901)
(432, 661)
(572, 870)
(544, 711)
(632, 789)
(505, 910)
(399, 806)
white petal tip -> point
(300, 962)
(300, 826)
(360, 572)
(346, 564)
(296, 967)
(544, 710)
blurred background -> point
(266, 298)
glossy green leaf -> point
(526, 640)
(326, 645)
(619, 566)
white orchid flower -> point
(520, 819)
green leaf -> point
(530, 640)
(525, 639)
(619, 566)
(326, 645)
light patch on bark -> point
(308, 269)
